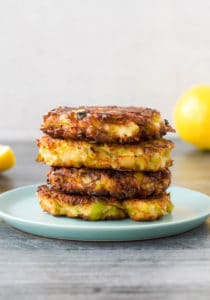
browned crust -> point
(148, 147)
(112, 183)
(86, 123)
(47, 192)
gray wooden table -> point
(178, 267)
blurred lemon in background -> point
(192, 117)
(7, 158)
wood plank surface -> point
(178, 267)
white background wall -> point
(122, 52)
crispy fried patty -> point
(108, 124)
(101, 208)
(147, 156)
(112, 183)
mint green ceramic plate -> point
(20, 209)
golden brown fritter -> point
(102, 208)
(146, 156)
(121, 185)
(108, 124)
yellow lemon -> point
(7, 158)
(192, 117)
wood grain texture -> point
(169, 268)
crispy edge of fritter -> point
(93, 123)
(136, 157)
(149, 209)
(57, 204)
(121, 185)
(75, 206)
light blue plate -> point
(20, 209)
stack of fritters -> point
(106, 163)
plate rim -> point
(136, 225)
